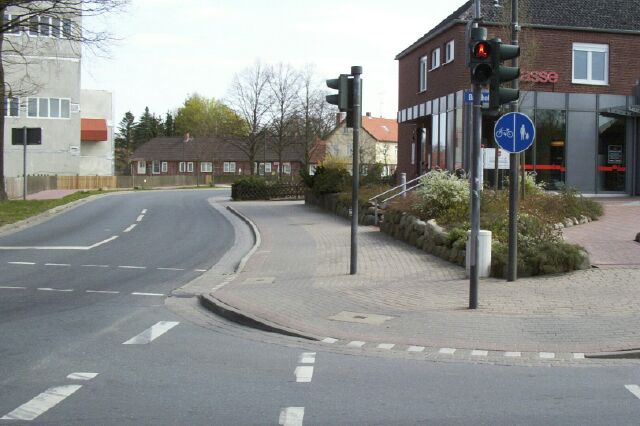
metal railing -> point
(404, 185)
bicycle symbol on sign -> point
(504, 132)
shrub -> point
(249, 188)
(330, 179)
(441, 193)
(373, 176)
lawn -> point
(16, 210)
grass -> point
(16, 210)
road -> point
(90, 335)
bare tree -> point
(284, 85)
(250, 97)
(63, 21)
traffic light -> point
(341, 100)
(502, 74)
(480, 63)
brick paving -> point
(306, 252)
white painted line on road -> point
(82, 376)
(547, 355)
(21, 263)
(303, 373)
(513, 354)
(57, 264)
(139, 219)
(291, 416)
(103, 291)
(307, 358)
(355, 344)
(329, 340)
(634, 389)
(60, 247)
(386, 346)
(41, 403)
(131, 267)
(144, 211)
(200, 270)
(66, 290)
(130, 228)
(152, 333)
(447, 351)
(148, 294)
(578, 355)
(12, 288)
(415, 349)
(170, 269)
(108, 240)
(95, 266)
(479, 353)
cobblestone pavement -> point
(299, 278)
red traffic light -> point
(481, 50)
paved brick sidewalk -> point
(299, 277)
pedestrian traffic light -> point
(480, 63)
(502, 74)
(341, 100)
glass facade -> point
(549, 148)
(612, 162)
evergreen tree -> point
(169, 125)
(124, 142)
(148, 127)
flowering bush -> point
(440, 193)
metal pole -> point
(512, 267)
(403, 182)
(24, 163)
(357, 119)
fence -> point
(267, 192)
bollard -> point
(484, 251)
(403, 182)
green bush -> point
(441, 193)
(249, 188)
(330, 179)
(373, 176)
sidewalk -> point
(51, 194)
(299, 278)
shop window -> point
(590, 63)
(449, 52)
(612, 160)
(549, 148)
(423, 73)
(435, 58)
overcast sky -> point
(170, 49)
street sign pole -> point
(24, 163)
(357, 119)
(512, 268)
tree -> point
(284, 84)
(148, 127)
(169, 125)
(14, 52)
(251, 99)
(124, 143)
(208, 118)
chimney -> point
(187, 138)
(369, 114)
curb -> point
(628, 354)
(256, 237)
(234, 315)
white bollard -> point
(484, 251)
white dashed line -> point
(415, 349)
(12, 288)
(144, 211)
(303, 374)
(95, 266)
(479, 353)
(21, 263)
(291, 416)
(200, 270)
(170, 269)
(355, 344)
(148, 294)
(634, 389)
(329, 340)
(57, 264)
(513, 354)
(386, 346)
(447, 351)
(547, 355)
(59, 247)
(307, 358)
(103, 291)
(130, 228)
(66, 290)
(42, 403)
(139, 219)
(152, 333)
(131, 267)
(82, 376)
(578, 355)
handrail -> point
(396, 187)
(403, 185)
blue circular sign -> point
(514, 132)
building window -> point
(267, 168)
(165, 167)
(43, 107)
(66, 28)
(45, 26)
(413, 153)
(33, 25)
(14, 28)
(206, 167)
(48, 107)
(64, 104)
(286, 168)
(229, 167)
(423, 73)
(12, 107)
(449, 52)
(612, 163)
(549, 148)
(155, 167)
(590, 63)
(189, 167)
(142, 167)
(55, 27)
(181, 167)
(435, 58)
(54, 108)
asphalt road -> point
(89, 336)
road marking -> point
(329, 340)
(578, 355)
(415, 349)
(307, 358)
(139, 219)
(59, 247)
(132, 267)
(130, 228)
(152, 333)
(108, 240)
(21, 263)
(41, 403)
(103, 291)
(170, 269)
(303, 373)
(12, 288)
(144, 211)
(147, 294)
(513, 354)
(634, 389)
(95, 266)
(547, 355)
(57, 264)
(66, 290)
(479, 353)
(356, 344)
(291, 416)
(386, 346)
(448, 351)
(82, 376)
(201, 270)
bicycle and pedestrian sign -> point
(514, 132)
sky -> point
(167, 49)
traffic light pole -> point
(357, 121)
(512, 268)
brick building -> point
(578, 84)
